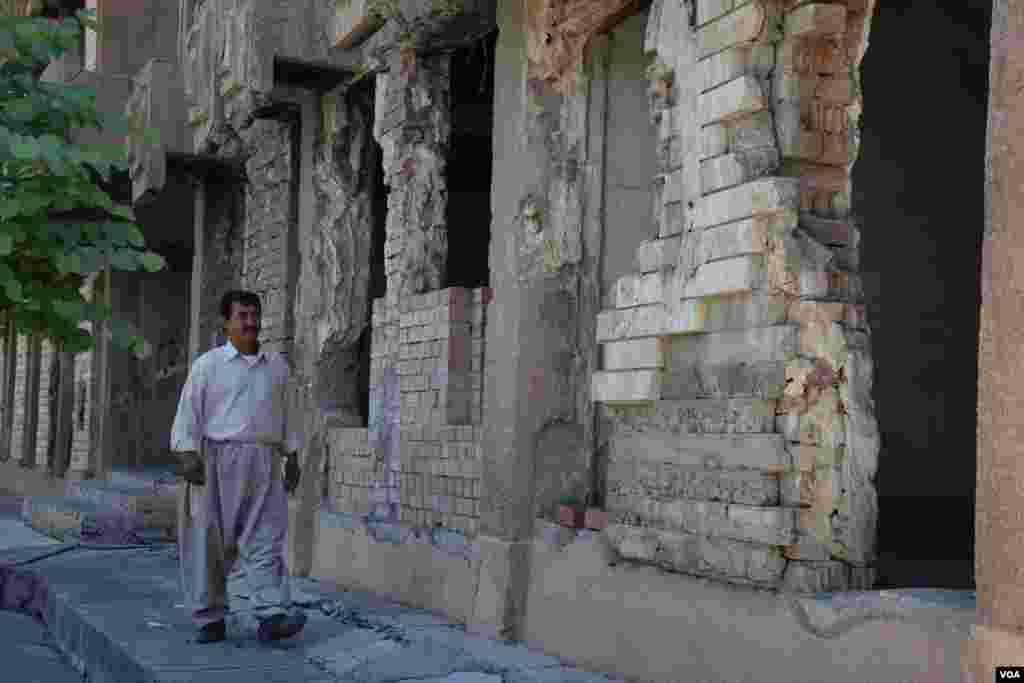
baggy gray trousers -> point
(239, 516)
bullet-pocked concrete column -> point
(533, 443)
(998, 639)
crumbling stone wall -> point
(413, 126)
(736, 386)
(222, 251)
(332, 306)
(269, 226)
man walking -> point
(231, 431)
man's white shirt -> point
(231, 397)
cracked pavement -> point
(118, 615)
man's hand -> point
(192, 468)
(291, 472)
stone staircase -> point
(133, 506)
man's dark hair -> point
(241, 297)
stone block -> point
(642, 321)
(765, 380)
(714, 140)
(830, 232)
(729, 276)
(672, 220)
(639, 290)
(745, 25)
(775, 343)
(771, 526)
(702, 416)
(763, 196)
(807, 548)
(839, 89)
(739, 97)
(657, 255)
(742, 238)
(709, 10)
(715, 557)
(731, 312)
(633, 354)
(815, 20)
(755, 60)
(626, 386)
(816, 577)
(763, 452)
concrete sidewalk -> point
(118, 616)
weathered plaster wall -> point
(650, 625)
(152, 25)
(630, 141)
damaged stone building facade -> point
(523, 251)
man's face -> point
(244, 323)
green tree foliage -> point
(57, 224)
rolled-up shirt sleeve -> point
(187, 431)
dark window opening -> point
(469, 164)
(921, 258)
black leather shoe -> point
(213, 632)
(281, 626)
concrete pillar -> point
(998, 639)
(532, 430)
(27, 451)
(198, 251)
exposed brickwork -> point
(426, 411)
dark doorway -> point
(919, 197)
(378, 278)
(470, 163)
